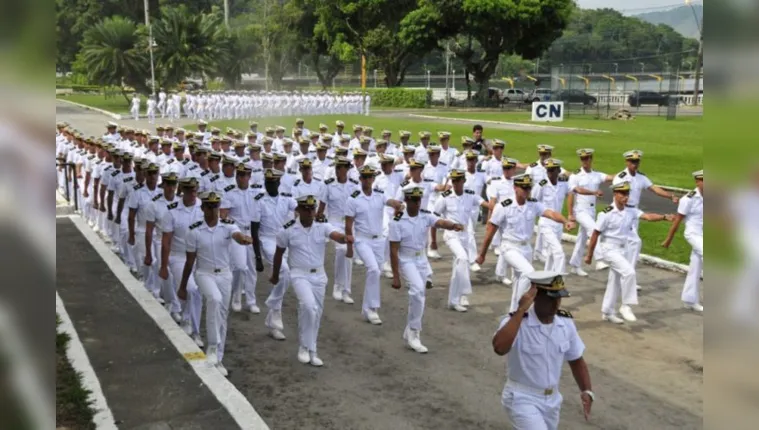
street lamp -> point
(642, 67)
(151, 44)
(428, 79)
(616, 68)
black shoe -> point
(429, 285)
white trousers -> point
(622, 279)
(244, 275)
(634, 244)
(691, 288)
(585, 219)
(138, 254)
(277, 294)
(414, 273)
(343, 266)
(461, 284)
(216, 288)
(519, 257)
(372, 253)
(309, 288)
(532, 412)
(193, 306)
(554, 252)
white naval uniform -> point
(584, 210)
(305, 248)
(460, 209)
(533, 368)
(140, 200)
(638, 183)
(303, 188)
(275, 213)
(692, 208)
(243, 210)
(537, 172)
(155, 210)
(552, 196)
(213, 276)
(411, 233)
(500, 189)
(516, 224)
(616, 227)
(334, 195)
(177, 222)
(367, 212)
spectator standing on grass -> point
(479, 145)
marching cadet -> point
(392, 149)
(321, 162)
(307, 185)
(210, 177)
(355, 141)
(434, 172)
(304, 241)
(174, 224)
(492, 165)
(305, 150)
(638, 182)
(459, 205)
(691, 209)
(500, 189)
(99, 186)
(177, 163)
(475, 180)
(515, 220)
(537, 171)
(208, 245)
(388, 181)
(552, 192)
(584, 189)
(336, 191)
(238, 205)
(156, 209)
(407, 154)
(363, 211)
(448, 154)
(408, 242)
(339, 127)
(137, 203)
(276, 210)
(227, 181)
(421, 155)
(538, 340)
(238, 149)
(614, 227)
(201, 164)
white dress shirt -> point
(367, 212)
(243, 208)
(590, 181)
(617, 225)
(638, 183)
(275, 212)
(692, 208)
(211, 244)
(411, 232)
(178, 221)
(305, 245)
(517, 222)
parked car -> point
(539, 95)
(190, 85)
(576, 96)
(515, 95)
(639, 98)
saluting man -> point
(691, 209)
(304, 240)
(408, 242)
(208, 245)
(538, 340)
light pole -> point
(642, 67)
(428, 79)
(375, 78)
(616, 68)
(151, 42)
(700, 59)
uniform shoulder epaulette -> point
(257, 170)
(329, 181)
(447, 193)
(641, 173)
(355, 193)
(258, 197)
(468, 191)
(506, 202)
(286, 194)
(497, 178)
(543, 182)
(291, 171)
(171, 206)
(530, 199)
(185, 162)
(563, 178)
(480, 169)
(194, 167)
(441, 163)
(406, 182)
(245, 160)
(289, 223)
(256, 186)
(229, 187)
(322, 218)
(138, 186)
(227, 221)
(328, 157)
(398, 170)
(215, 177)
(429, 180)
(316, 179)
(377, 190)
(563, 313)
(91, 156)
(205, 173)
(297, 181)
(608, 209)
(155, 199)
(692, 193)
(196, 225)
(424, 211)
(622, 174)
(514, 313)
(169, 161)
(115, 172)
(128, 179)
(107, 168)
(398, 216)
(353, 180)
(535, 164)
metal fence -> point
(71, 189)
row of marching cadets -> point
(242, 201)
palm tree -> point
(239, 52)
(187, 44)
(112, 55)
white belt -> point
(212, 271)
(306, 270)
(613, 242)
(516, 386)
(368, 236)
(411, 254)
(515, 242)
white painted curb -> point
(83, 106)
(77, 356)
(225, 392)
(519, 124)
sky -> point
(633, 6)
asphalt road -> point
(645, 375)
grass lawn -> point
(115, 103)
(72, 402)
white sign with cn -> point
(548, 111)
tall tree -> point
(241, 48)
(325, 48)
(113, 54)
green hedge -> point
(400, 97)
